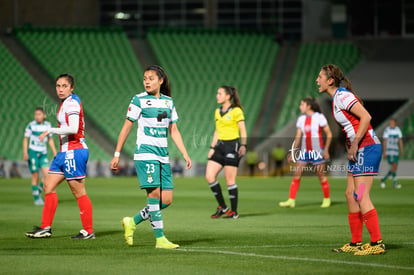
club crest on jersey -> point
(228, 117)
(167, 103)
(150, 179)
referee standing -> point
(227, 147)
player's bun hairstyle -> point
(333, 71)
(165, 86)
(234, 95)
(68, 77)
(313, 103)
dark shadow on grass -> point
(248, 215)
(302, 205)
(190, 242)
(393, 246)
(108, 233)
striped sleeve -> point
(346, 100)
(134, 109)
(174, 115)
(73, 108)
(28, 131)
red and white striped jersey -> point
(342, 102)
(71, 106)
(311, 127)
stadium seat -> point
(106, 70)
(198, 62)
(22, 95)
(311, 57)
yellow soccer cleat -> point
(348, 248)
(129, 227)
(368, 249)
(162, 242)
(287, 204)
(326, 203)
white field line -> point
(302, 259)
(281, 246)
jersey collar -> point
(228, 110)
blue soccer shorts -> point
(71, 164)
(367, 162)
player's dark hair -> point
(234, 95)
(313, 103)
(165, 86)
(334, 72)
(40, 109)
(68, 77)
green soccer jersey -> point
(33, 131)
(392, 136)
(154, 116)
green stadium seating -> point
(105, 67)
(198, 62)
(20, 96)
(311, 57)
(409, 126)
(408, 133)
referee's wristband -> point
(117, 154)
(211, 147)
(245, 145)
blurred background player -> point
(309, 128)
(35, 151)
(252, 159)
(278, 155)
(155, 113)
(228, 146)
(392, 149)
(69, 163)
(364, 155)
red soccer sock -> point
(371, 222)
(294, 186)
(51, 201)
(356, 224)
(85, 207)
(325, 188)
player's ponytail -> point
(234, 95)
(165, 86)
(313, 103)
(334, 72)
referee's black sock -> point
(233, 195)
(216, 189)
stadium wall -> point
(17, 13)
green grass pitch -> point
(265, 240)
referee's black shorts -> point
(226, 152)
